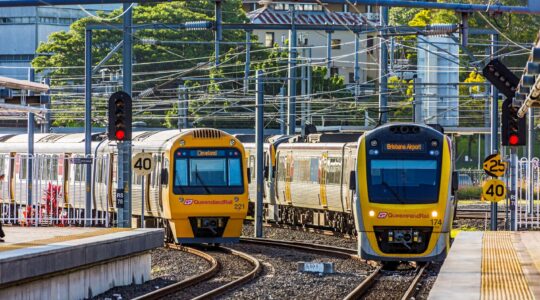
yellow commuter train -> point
(404, 204)
(197, 188)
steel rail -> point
(257, 267)
(412, 288)
(175, 287)
(314, 248)
(365, 285)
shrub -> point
(469, 193)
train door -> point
(289, 172)
(349, 163)
(323, 172)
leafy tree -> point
(155, 52)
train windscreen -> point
(208, 171)
(403, 181)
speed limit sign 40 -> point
(494, 190)
(142, 163)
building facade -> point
(22, 29)
(342, 43)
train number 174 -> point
(436, 222)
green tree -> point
(161, 56)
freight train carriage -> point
(405, 205)
(197, 188)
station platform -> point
(491, 265)
(73, 262)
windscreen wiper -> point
(201, 181)
(391, 189)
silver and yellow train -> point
(392, 187)
(197, 188)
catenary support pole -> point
(219, 29)
(303, 86)
(88, 124)
(383, 69)
(494, 126)
(309, 86)
(182, 108)
(513, 187)
(282, 115)
(291, 101)
(127, 53)
(530, 155)
(248, 61)
(30, 160)
(328, 52)
(259, 133)
(47, 100)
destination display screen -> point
(404, 147)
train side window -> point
(314, 169)
(352, 181)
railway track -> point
(370, 282)
(213, 271)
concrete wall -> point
(84, 283)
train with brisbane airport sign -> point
(196, 188)
(404, 204)
(392, 186)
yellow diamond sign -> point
(494, 166)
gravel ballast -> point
(281, 280)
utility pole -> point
(383, 68)
(303, 77)
(328, 52)
(219, 30)
(530, 155)
(47, 99)
(248, 61)
(182, 107)
(309, 87)
(283, 124)
(88, 124)
(259, 134)
(494, 125)
(291, 105)
(124, 147)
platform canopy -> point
(17, 84)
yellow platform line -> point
(58, 239)
(502, 274)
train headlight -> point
(434, 143)
(434, 214)
(371, 213)
(232, 142)
(374, 143)
(182, 143)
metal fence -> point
(527, 213)
(52, 194)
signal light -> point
(120, 117)
(513, 140)
(501, 77)
(514, 128)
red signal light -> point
(120, 134)
(513, 139)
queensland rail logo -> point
(382, 215)
(188, 202)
